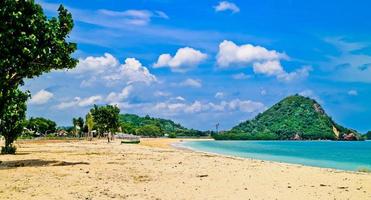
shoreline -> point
(184, 148)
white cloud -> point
(95, 65)
(108, 70)
(41, 97)
(114, 97)
(345, 46)
(350, 65)
(170, 108)
(263, 61)
(110, 18)
(246, 106)
(184, 59)
(80, 102)
(191, 83)
(241, 76)
(161, 94)
(219, 95)
(180, 98)
(352, 92)
(263, 92)
(130, 72)
(230, 53)
(133, 17)
(268, 67)
(225, 5)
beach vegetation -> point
(106, 119)
(30, 44)
(294, 118)
(41, 126)
(131, 124)
(78, 124)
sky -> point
(200, 63)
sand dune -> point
(154, 170)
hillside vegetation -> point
(293, 118)
(149, 126)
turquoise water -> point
(328, 154)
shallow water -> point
(328, 154)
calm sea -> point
(328, 154)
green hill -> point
(148, 126)
(293, 118)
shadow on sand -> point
(36, 163)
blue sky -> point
(209, 62)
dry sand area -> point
(154, 170)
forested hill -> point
(150, 126)
(293, 118)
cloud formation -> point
(184, 59)
(96, 65)
(132, 71)
(80, 102)
(171, 108)
(41, 97)
(189, 82)
(134, 17)
(225, 6)
(108, 69)
(263, 61)
(114, 97)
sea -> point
(343, 155)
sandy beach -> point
(156, 170)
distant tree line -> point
(155, 127)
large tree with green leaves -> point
(106, 119)
(41, 125)
(30, 45)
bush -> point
(149, 130)
(172, 135)
(8, 150)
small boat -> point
(130, 141)
(128, 138)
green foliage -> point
(30, 44)
(78, 124)
(8, 149)
(149, 130)
(13, 119)
(89, 121)
(293, 117)
(130, 123)
(106, 118)
(41, 125)
(172, 135)
(367, 136)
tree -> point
(14, 117)
(78, 124)
(30, 45)
(89, 121)
(41, 125)
(368, 135)
(149, 130)
(106, 119)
